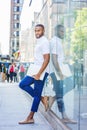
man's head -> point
(59, 31)
(39, 30)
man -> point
(37, 72)
(3, 72)
(22, 71)
(11, 72)
(57, 58)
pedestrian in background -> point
(15, 73)
(7, 73)
(11, 71)
(21, 71)
(3, 72)
(37, 72)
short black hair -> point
(57, 28)
(40, 25)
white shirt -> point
(41, 48)
(57, 48)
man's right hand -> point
(61, 76)
(36, 77)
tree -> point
(79, 34)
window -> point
(16, 25)
(12, 43)
(16, 8)
(20, 1)
(16, 33)
(17, 44)
(16, 16)
(16, 1)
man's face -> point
(61, 33)
(39, 31)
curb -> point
(51, 117)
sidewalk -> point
(15, 106)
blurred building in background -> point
(15, 26)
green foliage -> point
(79, 34)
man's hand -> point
(61, 76)
(36, 77)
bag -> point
(68, 84)
(65, 69)
(33, 69)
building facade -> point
(15, 26)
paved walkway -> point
(15, 106)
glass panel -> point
(67, 86)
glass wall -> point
(66, 27)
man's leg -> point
(25, 85)
(38, 87)
(59, 97)
(58, 88)
(45, 101)
(61, 106)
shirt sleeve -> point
(46, 48)
(54, 47)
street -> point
(15, 106)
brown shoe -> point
(44, 100)
(31, 121)
(51, 101)
(70, 121)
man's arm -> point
(56, 65)
(44, 65)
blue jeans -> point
(11, 76)
(35, 92)
(58, 88)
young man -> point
(37, 72)
(57, 56)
